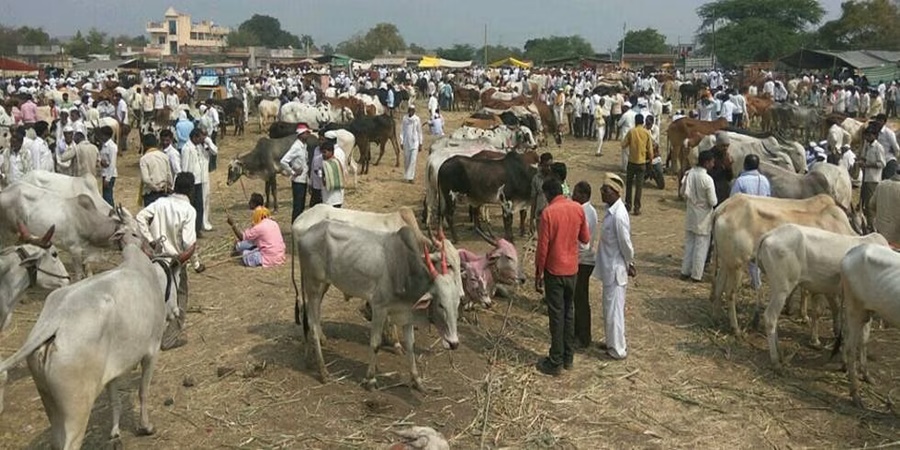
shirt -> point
(728, 110)
(563, 226)
(615, 251)
(873, 155)
(171, 218)
(14, 165)
(266, 236)
(700, 197)
(639, 144)
(335, 197)
(108, 154)
(84, 157)
(174, 159)
(122, 111)
(29, 112)
(888, 141)
(752, 182)
(156, 174)
(183, 130)
(192, 161)
(41, 156)
(295, 161)
(411, 132)
(586, 254)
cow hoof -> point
(146, 431)
(416, 384)
(116, 443)
(778, 369)
(857, 400)
(816, 344)
(370, 384)
(804, 319)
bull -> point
(262, 162)
(33, 263)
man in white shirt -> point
(170, 223)
(192, 161)
(848, 161)
(727, 111)
(873, 162)
(700, 197)
(740, 108)
(41, 156)
(411, 141)
(15, 161)
(769, 88)
(83, 157)
(156, 174)
(581, 193)
(295, 163)
(108, 171)
(122, 118)
(888, 140)
(167, 143)
(332, 193)
(626, 120)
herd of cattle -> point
(98, 328)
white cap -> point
(68, 129)
(203, 108)
(627, 104)
(330, 134)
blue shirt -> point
(183, 130)
(752, 183)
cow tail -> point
(34, 342)
(839, 340)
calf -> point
(262, 162)
(390, 270)
(35, 263)
(91, 333)
(869, 276)
(268, 112)
(795, 256)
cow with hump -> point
(393, 271)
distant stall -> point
(431, 62)
(13, 68)
(512, 62)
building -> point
(45, 56)
(177, 30)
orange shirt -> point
(562, 227)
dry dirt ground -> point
(687, 383)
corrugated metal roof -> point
(858, 59)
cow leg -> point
(773, 311)
(507, 225)
(396, 150)
(523, 216)
(449, 210)
(379, 316)
(57, 431)
(409, 335)
(274, 187)
(147, 365)
(381, 152)
(804, 306)
(863, 349)
(78, 265)
(115, 403)
(835, 314)
(814, 322)
(856, 320)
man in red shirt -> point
(562, 227)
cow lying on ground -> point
(92, 332)
(501, 137)
(795, 256)
(742, 220)
(34, 263)
(392, 271)
(869, 276)
(482, 273)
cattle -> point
(467, 95)
(351, 105)
(501, 137)
(482, 120)
(505, 181)
(689, 94)
(887, 210)
(33, 263)
(262, 162)
(378, 129)
(482, 273)
(757, 109)
(869, 275)
(805, 121)
(84, 223)
(296, 112)
(391, 270)
(825, 178)
(344, 138)
(795, 256)
(742, 220)
(92, 332)
(686, 128)
(787, 155)
(268, 112)
(232, 112)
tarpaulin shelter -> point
(432, 62)
(512, 62)
(11, 68)
(876, 65)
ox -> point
(92, 332)
(887, 209)
(501, 137)
(262, 162)
(742, 220)
(827, 179)
(35, 263)
(232, 111)
(379, 129)
(268, 112)
(482, 273)
(386, 269)
(795, 256)
(688, 129)
(869, 275)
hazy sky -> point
(429, 23)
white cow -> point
(91, 333)
(268, 112)
(869, 276)
(35, 263)
(795, 256)
(501, 136)
(790, 155)
(886, 203)
(296, 112)
(827, 179)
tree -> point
(647, 41)
(417, 49)
(755, 30)
(459, 52)
(498, 52)
(11, 38)
(382, 38)
(33, 36)
(542, 49)
(328, 49)
(267, 30)
(96, 41)
(238, 38)
(78, 46)
(869, 25)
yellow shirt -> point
(639, 144)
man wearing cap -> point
(638, 146)
(625, 124)
(295, 164)
(562, 227)
(615, 263)
(122, 118)
(700, 197)
(15, 161)
(68, 136)
(411, 141)
(156, 173)
(192, 161)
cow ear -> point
(423, 302)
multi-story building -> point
(177, 31)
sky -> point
(429, 23)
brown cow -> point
(689, 129)
(758, 108)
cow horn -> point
(24, 234)
(443, 259)
(429, 264)
(45, 240)
(441, 235)
(484, 236)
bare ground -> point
(688, 383)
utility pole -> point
(485, 49)
(622, 50)
(715, 19)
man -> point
(84, 157)
(332, 172)
(122, 118)
(166, 139)
(15, 162)
(721, 171)
(108, 171)
(411, 141)
(888, 141)
(170, 223)
(210, 150)
(563, 226)
(700, 196)
(615, 263)
(295, 163)
(156, 173)
(873, 162)
(183, 130)
(28, 111)
(740, 107)
(211, 115)
(639, 145)
(41, 156)
(728, 110)
(625, 123)
(538, 200)
(751, 182)
(67, 141)
(582, 194)
(192, 161)
(77, 122)
(848, 162)
(262, 244)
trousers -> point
(409, 163)
(601, 135)
(175, 326)
(206, 208)
(559, 296)
(865, 197)
(298, 201)
(197, 202)
(108, 189)
(583, 305)
(614, 320)
(634, 181)
(695, 248)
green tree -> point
(417, 49)
(459, 52)
(267, 30)
(78, 46)
(11, 38)
(756, 30)
(33, 36)
(238, 38)
(542, 49)
(868, 24)
(97, 42)
(382, 38)
(646, 41)
(328, 49)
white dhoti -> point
(601, 130)
(695, 248)
(614, 319)
(206, 207)
(409, 163)
(625, 161)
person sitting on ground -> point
(261, 245)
